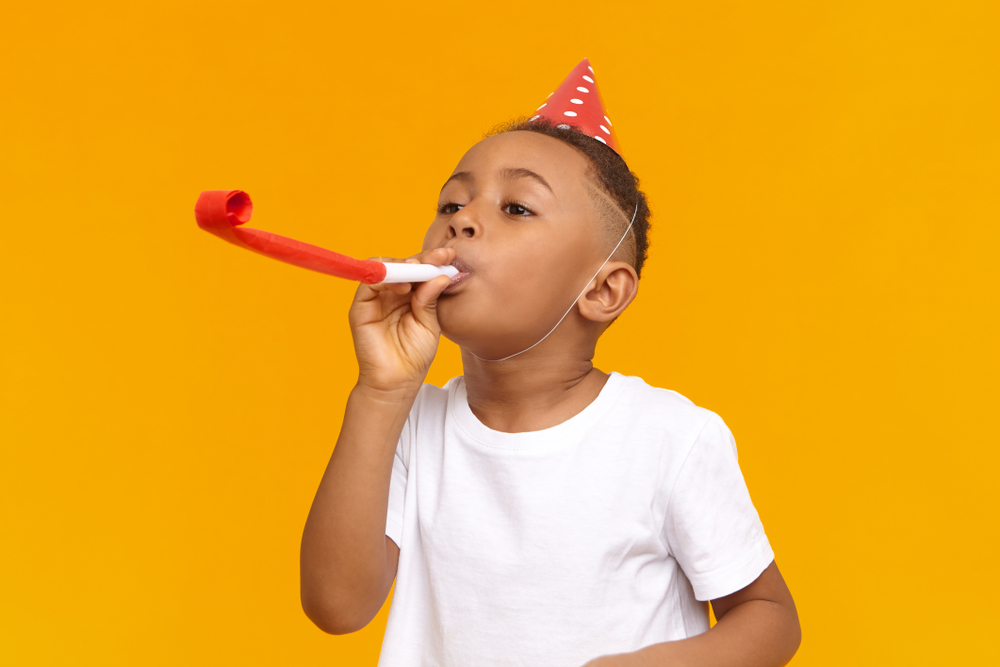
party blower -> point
(221, 212)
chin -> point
(490, 331)
(458, 329)
(485, 341)
(466, 327)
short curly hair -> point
(611, 174)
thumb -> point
(424, 302)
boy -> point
(536, 511)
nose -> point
(464, 224)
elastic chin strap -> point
(586, 287)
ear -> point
(614, 288)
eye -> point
(449, 208)
(513, 208)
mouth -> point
(464, 271)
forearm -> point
(756, 633)
(343, 558)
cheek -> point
(435, 236)
(515, 305)
(538, 280)
(516, 267)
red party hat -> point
(577, 103)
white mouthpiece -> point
(416, 273)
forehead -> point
(560, 164)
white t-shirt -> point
(604, 534)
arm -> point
(757, 626)
(347, 563)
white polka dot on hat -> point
(577, 101)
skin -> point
(512, 230)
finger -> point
(435, 256)
(424, 302)
(372, 292)
(398, 288)
(387, 259)
(365, 293)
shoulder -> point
(431, 393)
(432, 399)
(665, 409)
(427, 416)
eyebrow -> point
(458, 176)
(507, 174)
(511, 174)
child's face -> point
(518, 213)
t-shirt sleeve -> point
(711, 526)
(397, 488)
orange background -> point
(824, 181)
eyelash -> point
(510, 202)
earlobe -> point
(614, 289)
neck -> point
(533, 391)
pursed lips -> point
(464, 271)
